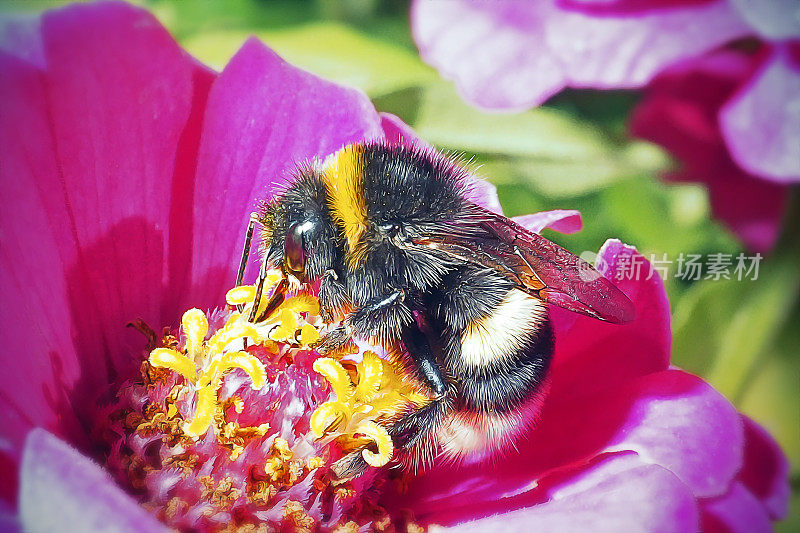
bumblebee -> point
(404, 258)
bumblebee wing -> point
(533, 263)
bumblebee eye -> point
(390, 230)
(295, 253)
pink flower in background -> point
(679, 111)
(513, 55)
(129, 172)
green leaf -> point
(545, 148)
(726, 329)
(328, 49)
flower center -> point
(236, 424)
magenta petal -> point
(765, 473)
(619, 494)
(395, 131)
(671, 419)
(773, 19)
(585, 360)
(61, 490)
(36, 320)
(738, 511)
(264, 118)
(92, 146)
(560, 220)
(761, 123)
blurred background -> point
(574, 152)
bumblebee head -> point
(298, 235)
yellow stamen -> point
(381, 438)
(288, 326)
(315, 462)
(241, 294)
(336, 375)
(249, 363)
(302, 303)
(175, 361)
(365, 409)
(308, 335)
(281, 446)
(370, 371)
(330, 416)
(204, 415)
(195, 325)
(230, 333)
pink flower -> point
(129, 171)
(515, 55)
(679, 111)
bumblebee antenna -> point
(246, 254)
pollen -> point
(252, 415)
(364, 405)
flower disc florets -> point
(234, 425)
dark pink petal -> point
(62, 490)
(512, 55)
(560, 220)
(772, 19)
(761, 123)
(36, 321)
(91, 147)
(590, 354)
(669, 418)
(765, 473)
(264, 118)
(621, 493)
(738, 511)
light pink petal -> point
(761, 123)
(620, 493)
(264, 118)
(772, 19)
(598, 7)
(560, 220)
(62, 490)
(495, 51)
(590, 354)
(670, 418)
(91, 147)
(514, 55)
(765, 473)
(738, 511)
(480, 191)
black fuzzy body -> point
(391, 289)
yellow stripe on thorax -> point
(342, 175)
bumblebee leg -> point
(381, 318)
(412, 428)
